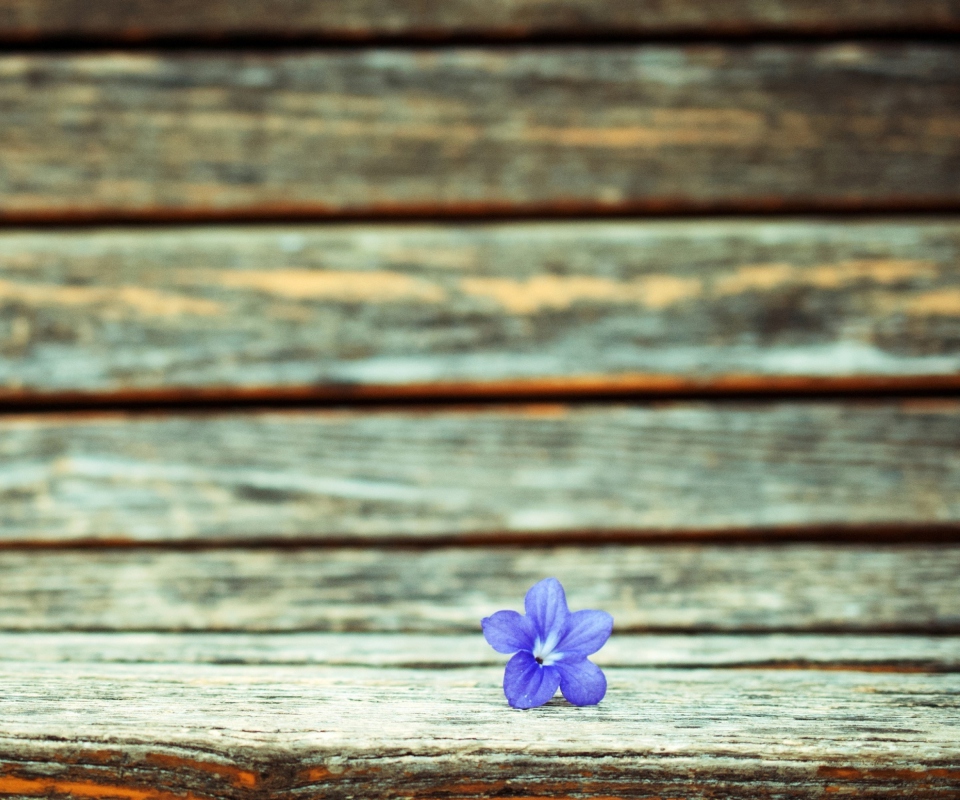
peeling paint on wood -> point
(813, 588)
(479, 130)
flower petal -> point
(526, 684)
(507, 632)
(546, 606)
(582, 682)
(586, 632)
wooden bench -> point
(327, 329)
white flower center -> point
(543, 651)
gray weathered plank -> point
(160, 731)
(689, 588)
(443, 476)
(477, 130)
(137, 20)
(846, 651)
(343, 310)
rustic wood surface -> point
(268, 605)
(671, 588)
(415, 651)
(139, 20)
(336, 310)
(765, 470)
(154, 732)
(479, 130)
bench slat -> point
(436, 19)
(689, 588)
(443, 310)
(161, 731)
(541, 471)
(477, 131)
(784, 651)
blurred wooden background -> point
(328, 328)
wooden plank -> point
(541, 471)
(165, 731)
(418, 651)
(478, 131)
(436, 19)
(354, 310)
(689, 588)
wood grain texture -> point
(436, 19)
(470, 131)
(765, 470)
(155, 732)
(417, 651)
(735, 588)
(446, 309)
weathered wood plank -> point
(434, 19)
(764, 470)
(734, 588)
(476, 131)
(162, 731)
(342, 310)
(415, 651)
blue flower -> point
(550, 648)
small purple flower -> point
(550, 648)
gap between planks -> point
(633, 389)
(79, 43)
(895, 535)
(467, 213)
(53, 22)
